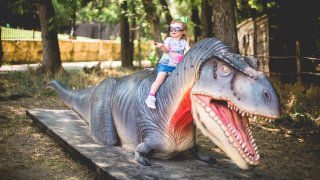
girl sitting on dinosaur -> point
(173, 48)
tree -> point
(224, 24)
(166, 11)
(1, 51)
(51, 63)
(127, 45)
(195, 19)
(153, 18)
(206, 18)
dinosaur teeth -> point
(223, 128)
(230, 139)
(207, 109)
(235, 144)
(243, 147)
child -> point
(174, 48)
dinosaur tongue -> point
(236, 126)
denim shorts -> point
(164, 68)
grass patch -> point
(30, 83)
(300, 104)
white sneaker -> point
(151, 102)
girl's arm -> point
(162, 46)
(187, 47)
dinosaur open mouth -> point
(234, 123)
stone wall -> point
(30, 51)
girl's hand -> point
(158, 45)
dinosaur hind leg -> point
(101, 124)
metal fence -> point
(11, 33)
(19, 34)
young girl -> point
(173, 49)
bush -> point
(300, 104)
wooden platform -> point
(67, 128)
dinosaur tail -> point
(77, 100)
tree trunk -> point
(126, 44)
(51, 63)
(168, 16)
(224, 27)
(196, 20)
(206, 18)
(132, 30)
(1, 51)
(153, 19)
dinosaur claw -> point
(143, 161)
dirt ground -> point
(28, 153)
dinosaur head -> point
(224, 98)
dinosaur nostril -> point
(267, 95)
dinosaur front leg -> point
(153, 145)
(142, 150)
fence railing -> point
(11, 33)
(299, 60)
(16, 34)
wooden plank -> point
(67, 128)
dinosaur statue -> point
(213, 88)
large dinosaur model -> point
(213, 88)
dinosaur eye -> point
(224, 70)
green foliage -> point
(253, 8)
(19, 6)
(300, 104)
(153, 58)
(63, 11)
(183, 8)
(99, 11)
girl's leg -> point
(151, 100)
(157, 83)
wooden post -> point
(1, 51)
(298, 61)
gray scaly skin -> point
(213, 88)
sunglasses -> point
(175, 29)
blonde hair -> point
(184, 27)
